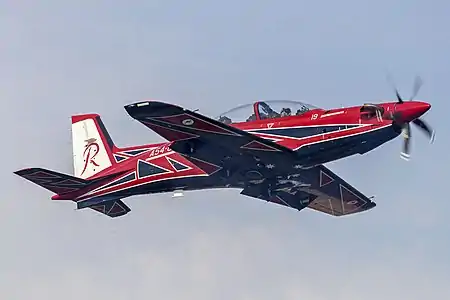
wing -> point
(297, 200)
(209, 143)
(213, 146)
(334, 195)
(317, 188)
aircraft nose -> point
(414, 110)
(425, 107)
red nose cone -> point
(412, 110)
(424, 107)
(420, 108)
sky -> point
(60, 58)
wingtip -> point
(21, 171)
(131, 108)
(144, 103)
(137, 104)
(151, 108)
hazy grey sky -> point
(60, 58)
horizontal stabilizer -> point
(53, 181)
(112, 208)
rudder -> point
(92, 146)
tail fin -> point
(92, 146)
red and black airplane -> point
(272, 150)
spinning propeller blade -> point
(406, 129)
(416, 87)
(426, 128)
(391, 82)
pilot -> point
(251, 118)
(286, 111)
(268, 112)
(301, 110)
(225, 120)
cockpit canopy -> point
(261, 110)
(369, 111)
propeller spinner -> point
(406, 112)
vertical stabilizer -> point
(92, 146)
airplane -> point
(274, 151)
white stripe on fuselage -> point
(343, 137)
(332, 114)
(273, 137)
(307, 126)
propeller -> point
(416, 87)
(406, 132)
(405, 126)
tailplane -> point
(66, 186)
(92, 146)
(112, 208)
(55, 182)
